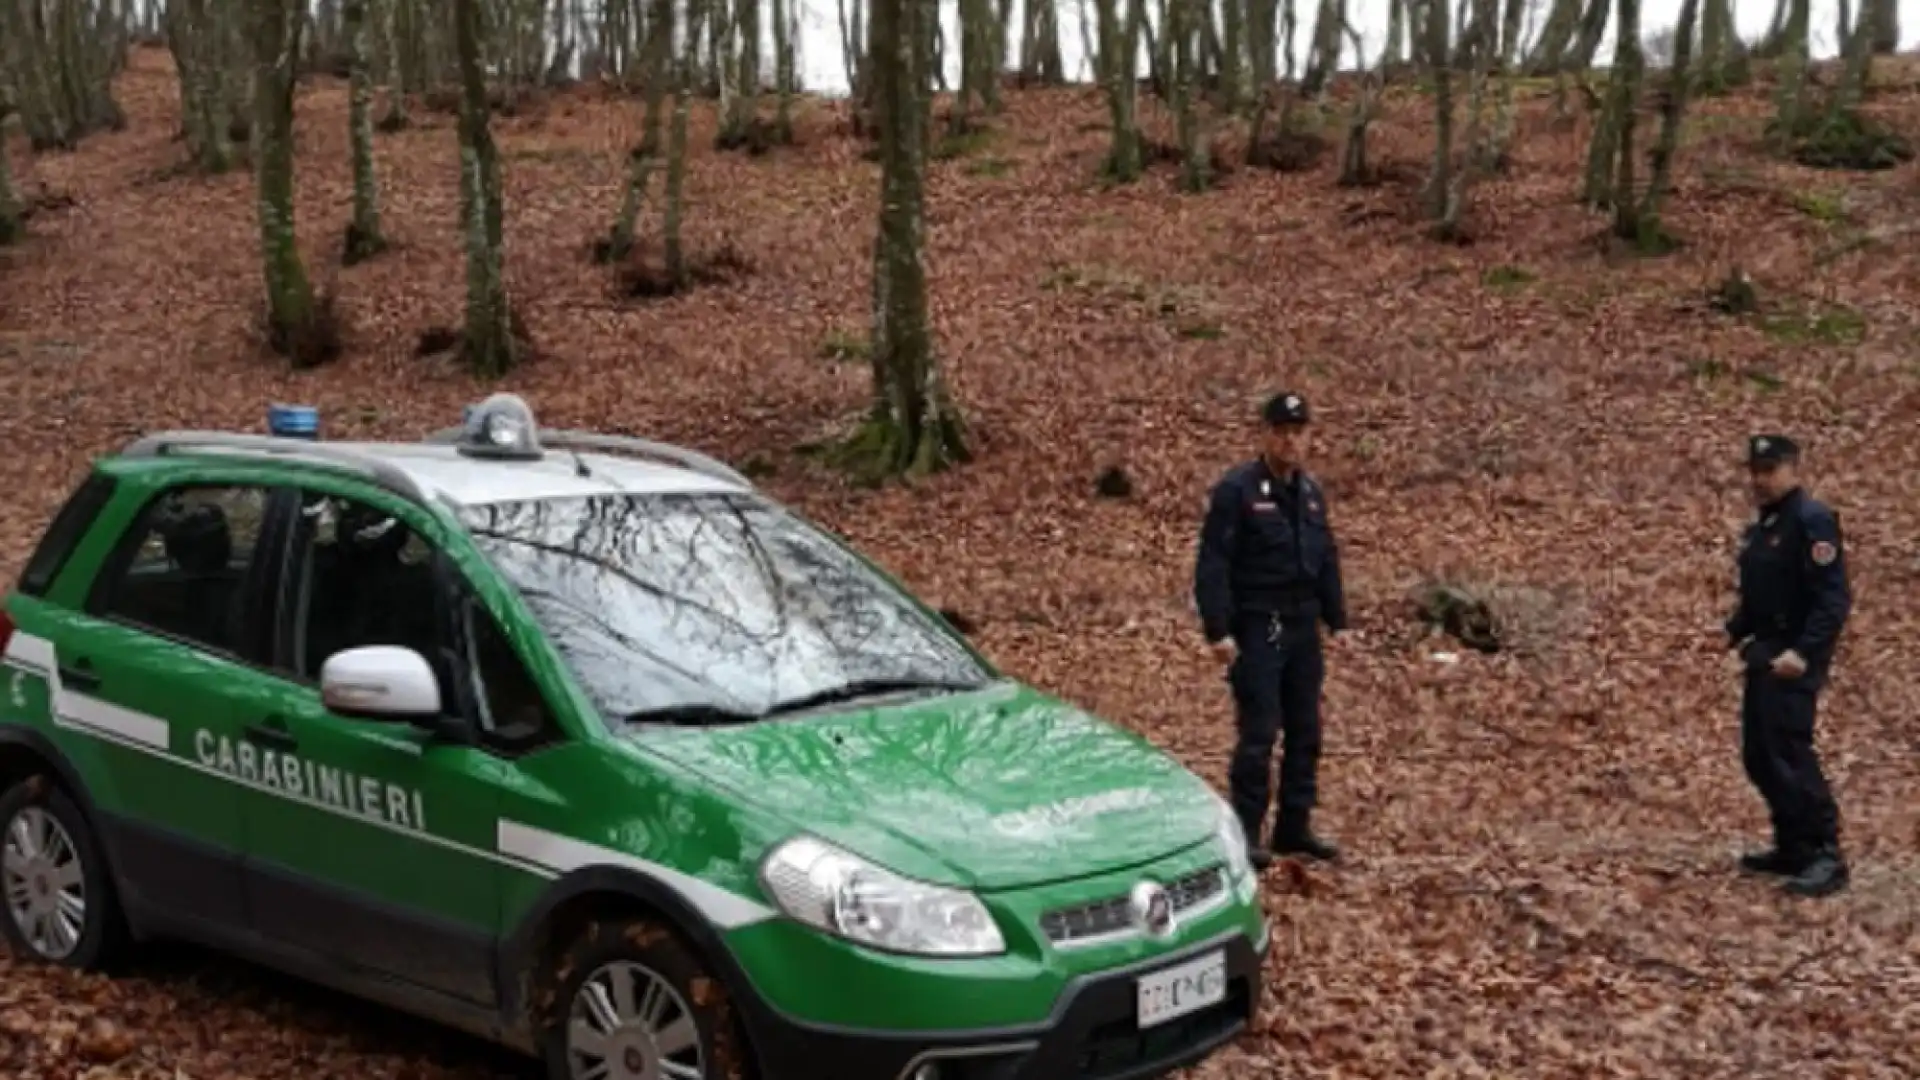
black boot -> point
(1257, 856)
(1292, 835)
(1826, 873)
(1772, 861)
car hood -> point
(992, 789)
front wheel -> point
(633, 1003)
(59, 898)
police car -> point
(582, 744)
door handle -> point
(79, 675)
(273, 732)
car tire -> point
(691, 1022)
(44, 838)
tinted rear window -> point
(61, 537)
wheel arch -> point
(25, 752)
(596, 893)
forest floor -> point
(1540, 842)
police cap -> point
(1284, 408)
(1766, 451)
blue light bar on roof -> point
(293, 421)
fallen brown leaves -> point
(1539, 878)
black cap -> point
(1285, 407)
(1770, 450)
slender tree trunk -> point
(292, 316)
(12, 225)
(1119, 52)
(489, 346)
(395, 117)
(364, 238)
(675, 257)
(913, 428)
(660, 69)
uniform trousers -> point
(1776, 745)
(1276, 675)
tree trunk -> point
(293, 327)
(1119, 51)
(1790, 91)
(913, 427)
(488, 343)
(660, 68)
(1647, 232)
(364, 239)
(397, 71)
(12, 226)
(676, 266)
(1183, 17)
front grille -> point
(1101, 918)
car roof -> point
(436, 470)
(443, 471)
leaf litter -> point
(1538, 878)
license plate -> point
(1176, 991)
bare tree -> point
(12, 223)
(364, 238)
(294, 324)
(912, 427)
(488, 343)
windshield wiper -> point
(859, 688)
(696, 714)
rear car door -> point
(150, 672)
(390, 864)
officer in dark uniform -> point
(1266, 575)
(1794, 600)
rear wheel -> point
(634, 1003)
(59, 901)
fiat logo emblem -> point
(1152, 908)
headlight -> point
(1233, 837)
(843, 894)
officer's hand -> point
(1789, 665)
(1223, 650)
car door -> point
(389, 864)
(157, 672)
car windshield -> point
(700, 607)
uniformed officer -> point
(1267, 573)
(1794, 600)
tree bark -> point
(913, 427)
(488, 343)
(364, 239)
(292, 317)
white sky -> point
(824, 71)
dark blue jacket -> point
(1266, 547)
(1793, 582)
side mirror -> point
(381, 682)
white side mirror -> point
(380, 681)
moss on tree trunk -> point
(293, 328)
(913, 427)
(12, 227)
(364, 238)
(488, 344)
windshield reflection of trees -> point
(663, 600)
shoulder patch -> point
(1824, 552)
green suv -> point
(582, 744)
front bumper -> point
(1091, 1035)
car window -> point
(663, 601)
(512, 714)
(360, 576)
(186, 573)
(65, 532)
